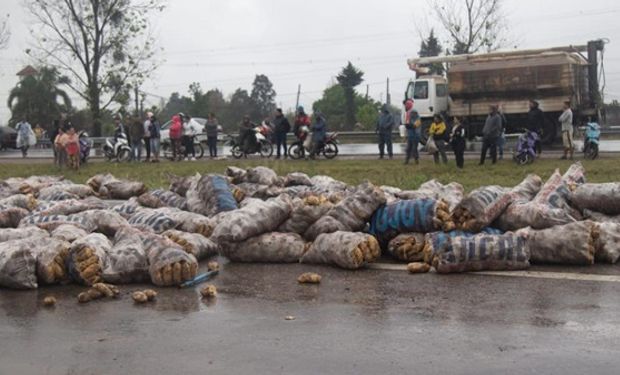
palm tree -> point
(349, 78)
(36, 97)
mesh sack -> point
(162, 198)
(236, 175)
(169, 263)
(11, 217)
(563, 244)
(420, 216)
(52, 254)
(263, 192)
(81, 191)
(152, 220)
(8, 234)
(481, 207)
(603, 198)
(68, 207)
(297, 179)
(126, 261)
(484, 252)
(253, 220)
(351, 214)
(25, 201)
(108, 222)
(211, 195)
(601, 218)
(305, 212)
(127, 209)
(68, 233)
(326, 183)
(344, 249)
(190, 222)
(17, 265)
(180, 185)
(124, 189)
(607, 237)
(87, 258)
(262, 176)
(407, 247)
(51, 222)
(266, 248)
(196, 244)
(441, 242)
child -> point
(458, 142)
(70, 143)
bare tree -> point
(103, 46)
(5, 32)
(473, 25)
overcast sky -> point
(224, 44)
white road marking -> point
(527, 274)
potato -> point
(150, 294)
(213, 266)
(49, 301)
(418, 267)
(309, 278)
(209, 291)
(139, 297)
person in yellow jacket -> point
(438, 131)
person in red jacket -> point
(176, 133)
(301, 119)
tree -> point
(104, 46)
(239, 105)
(473, 25)
(333, 104)
(432, 47)
(263, 98)
(36, 97)
(349, 78)
(5, 32)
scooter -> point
(85, 145)
(118, 150)
(262, 146)
(298, 150)
(591, 140)
(525, 152)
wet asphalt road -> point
(364, 322)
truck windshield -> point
(420, 90)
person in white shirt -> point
(147, 136)
(190, 129)
(566, 119)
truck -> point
(510, 79)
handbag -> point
(431, 147)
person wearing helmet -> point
(247, 138)
(319, 131)
(301, 119)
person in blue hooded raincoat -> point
(319, 131)
(385, 126)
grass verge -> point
(381, 172)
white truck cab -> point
(429, 95)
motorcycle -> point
(298, 150)
(167, 149)
(118, 150)
(262, 146)
(85, 145)
(591, 140)
(525, 152)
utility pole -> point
(367, 88)
(136, 92)
(298, 93)
(388, 97)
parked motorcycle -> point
(525, 151)
(262, 146)
(298, 150)
(118, 149)
(591, 140)
(85, 145)
(167, 149)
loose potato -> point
(209, 291)
(309, 278)
(418, 267)
(139, 297)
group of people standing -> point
(139, 133)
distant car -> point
(8, 138)
(201, 137)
